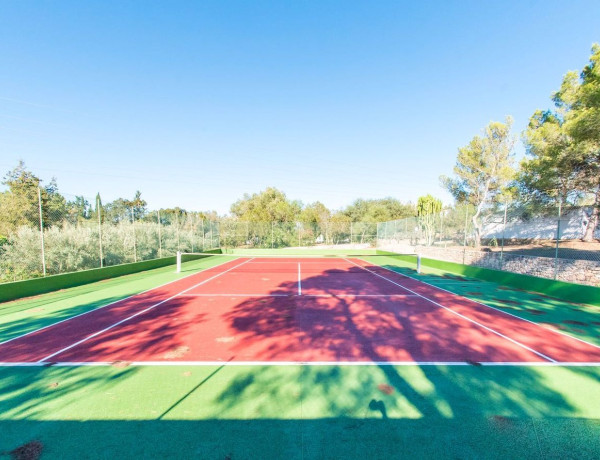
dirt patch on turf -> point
(509, 302)
(385, 388)
(30, 451)
(500, 421)
(506, 288)
(574, 322)
(474, 293)
(187, 374)
(53, 385)
(535, 312)
(455, 278)
(120, 364)
(596, 323)
(178, 352)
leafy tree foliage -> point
(379, 210)
(428, 212)
(484, 170)
(564, 145)
(19, 205)
(270, 205)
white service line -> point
(116, 301)
(300, 363)
(235, 295)
(299, 280)
(139, 313)
(489, 306)
(362, 295)
(462, 316)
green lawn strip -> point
(302, 411)
(25, 315)
(575, 319)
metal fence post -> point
(465, 240)
(159, 234)
(503, 232)
(134, 237)
(557, 239)
(99, 208)
(42, 232)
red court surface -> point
(309, 310)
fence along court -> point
(548, 244)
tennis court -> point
(277, 310)
(299, 356)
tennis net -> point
(286, 260)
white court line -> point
(237, 295)
(138, 313)
(489, 306)
(462, 316)
(299, 363)
(112, 303)
(299, 295)
(299, 280)
(362, 295)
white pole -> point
(418, 263)
(159, 235)
(42, 231)
(100, 229)
(178, 270)
(134, 237)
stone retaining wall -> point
(569, 270)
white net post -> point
(178, 269)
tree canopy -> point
(484, 170)
(563, 145)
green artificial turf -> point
(302, 411)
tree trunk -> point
(477, 228)
(593, 220)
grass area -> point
(576, 319)
(302, 411)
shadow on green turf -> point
(582, 321)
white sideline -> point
(299, 363)
(489, 306)
(111, 303)
(460, 315)
(138, 313)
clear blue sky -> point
(195, 103)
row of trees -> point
(562, 165)
(20, 206)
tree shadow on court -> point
(576, 319)
(333, 328)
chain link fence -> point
(545, 243)
(72, 233)
(239, 234)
